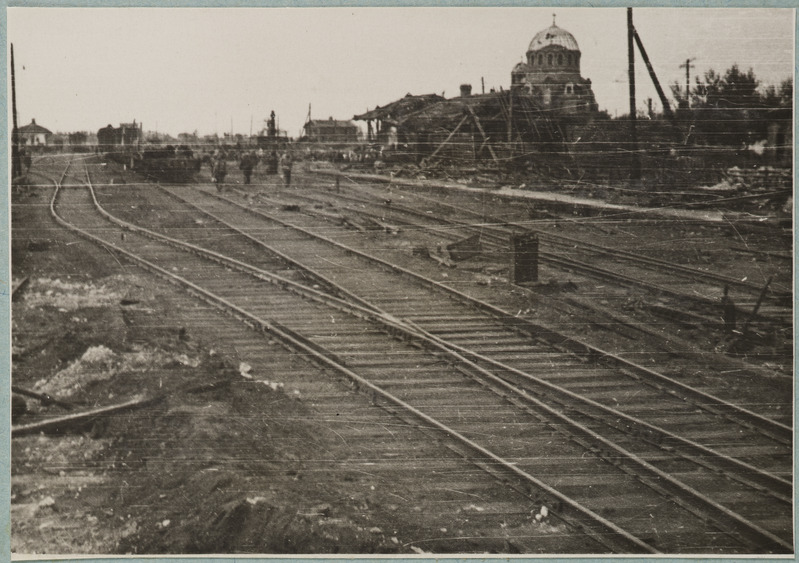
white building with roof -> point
(34, 134)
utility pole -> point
(510, 115)
(687, 65)
(16, 168)
(653, 76)
(635, 163)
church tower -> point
(551, 73)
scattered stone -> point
(46, 502)
(321, 510)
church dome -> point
(553, 35)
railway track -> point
(456, 344)
(634, 310)
(464, 504)
(684, 297)
(679, 280)
(620, 315)
(344, 337)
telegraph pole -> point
(688, 66)
(16, 168)
(653, 76)
(635, 163)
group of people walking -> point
(248, 162)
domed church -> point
(551, 73)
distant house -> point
(34, 135)
(78, 138)
(331, 131)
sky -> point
(217, 70)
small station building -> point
(34, 135)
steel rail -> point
(487, 231)
(745, 473)
(774, 429)
(786, 434)
(656, 478)
(758, 478)
(298, 264)
(702, 455)
(297, 341)
(649, 474)
(491, 222)
(639, 258)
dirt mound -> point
(226, 487)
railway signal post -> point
(524, 258)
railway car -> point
(125, 144)
(172, 164)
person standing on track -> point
(246, 165)
(219, 170)
(271, 163)
(285, 167)
(26, 160)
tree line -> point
(731, 108)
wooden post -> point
(653, 76)
(524, 258)
(687, 66)
(77, 420)
(635, 162)
(483, 133)
(510, 115)
(457, 127)
(757, 306)
(16, 165)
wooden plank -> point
(457, 128)
(62, 423)
(483, 133)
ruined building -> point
(549, 110)
(551, 73)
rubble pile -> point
(68, 295)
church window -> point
(549, 59)
(569, 57)
(560, 60)
(540, 59)
(569, 88)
